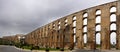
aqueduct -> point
(101, 21)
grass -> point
(51, 49)
(26, 47)
(98, 46)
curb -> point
(21, 49)
(38, 50)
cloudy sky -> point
(23, 16)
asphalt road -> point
(82, 50)
(13, 49)
(10, 49)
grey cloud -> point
(23, 16)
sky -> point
(24, 16)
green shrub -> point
(26, 47)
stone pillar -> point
(91, 29)
(79, 30)
(105, 27)
(47, 35)
(43, 37)
(55, 33)
(44, 44)
(118, 24)
(71, 45)
(50, 35)
(62, 27)
(60, 33)
(40, 37)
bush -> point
(36, 47)
(47, 50)
(18, 45)
(26, 47)
(62, 50)
(57, 48)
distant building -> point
(14, 38)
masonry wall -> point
(14, 38)
(68, 32)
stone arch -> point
(66, 22)
(74, 29)
(85, 29)
(98, 28)
(85, 14)
(113, 41)
(113, 9)
(113, 26)
(85, 21)
(98, 19)
(74, 17)
(74, 23)
(98, 11)
(98, 40)
(112, 17)
(59, 25)
(85, 39)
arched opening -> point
(66, 24)
(59, 25)
(113, 18)
(74, 30)
(66, 20)
(74, 23)
(113, 9)
(85, 21)
(85, 29)
(74, 17)
(98, 28)
(85, 40)
(98, 12)
(98, 19)
(113, 39)
(98, 39)
(113, 26)
(85, 15)
(53, 27)
(74, 39)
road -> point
(13, 49)
(10, 49)
(82, 50)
